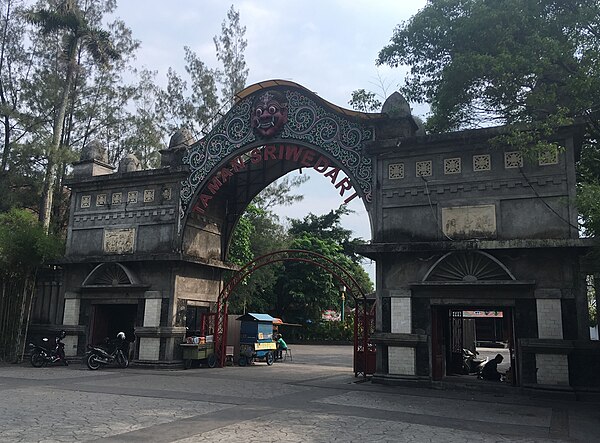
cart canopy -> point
(256, 317)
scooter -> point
(111, 352)
(471, 363)
(41, 355)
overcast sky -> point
(327, 46)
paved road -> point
(314, 398)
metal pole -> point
(343, 307)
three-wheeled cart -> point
(204, 353)
(256, 339)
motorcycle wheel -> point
(242, 361)
(122, 361)
(38, 359)
(92, 362)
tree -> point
(364, 101)
(511, 61)
(24, 246)
(230, 46)
(68, 21)
(279, 193)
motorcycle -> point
(471, 363)
(111, 352)
(42, 355)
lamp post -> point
(343, 290)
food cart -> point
(200, 349)
(256, 339)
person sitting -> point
(281, 346)
(490, 369)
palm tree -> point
(69, 20)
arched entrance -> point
(274, 128)
(363, 318)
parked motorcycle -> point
(471, 363)
(42, 355)
(111, 352)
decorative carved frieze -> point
(469, 221)
(119, 241)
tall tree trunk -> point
(54, 150)
(3, 100)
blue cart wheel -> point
(269, 358)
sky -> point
(327, 46)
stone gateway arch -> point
(458, 225)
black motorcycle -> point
(471, 363)
(111, 352)
(42, 355)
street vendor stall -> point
(200, 349)
(256, 339)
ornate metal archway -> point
(303, 127)
(363, 324)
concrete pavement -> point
(314, 398)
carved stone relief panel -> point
(132, 197)
(117, 198)
(424, 168)
(148, 195)
(513, 159)
(86, 201)
(101, 200)
(548, 158)
(469, 221)
(452, 165)
(482, 162)
(396, 171)
(119, 241)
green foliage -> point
(23, 244)
(364, 101)
(588, 201)
(510, 61)
(240, 251)
(230, 47)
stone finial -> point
(182, 138)
(396, 106)
(94, 151)
(129, 163)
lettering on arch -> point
(308, 123)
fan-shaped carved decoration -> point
(468, 266)
(109, 274)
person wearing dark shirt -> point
(490, 369)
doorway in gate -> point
(464, 337)
(110, 319)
